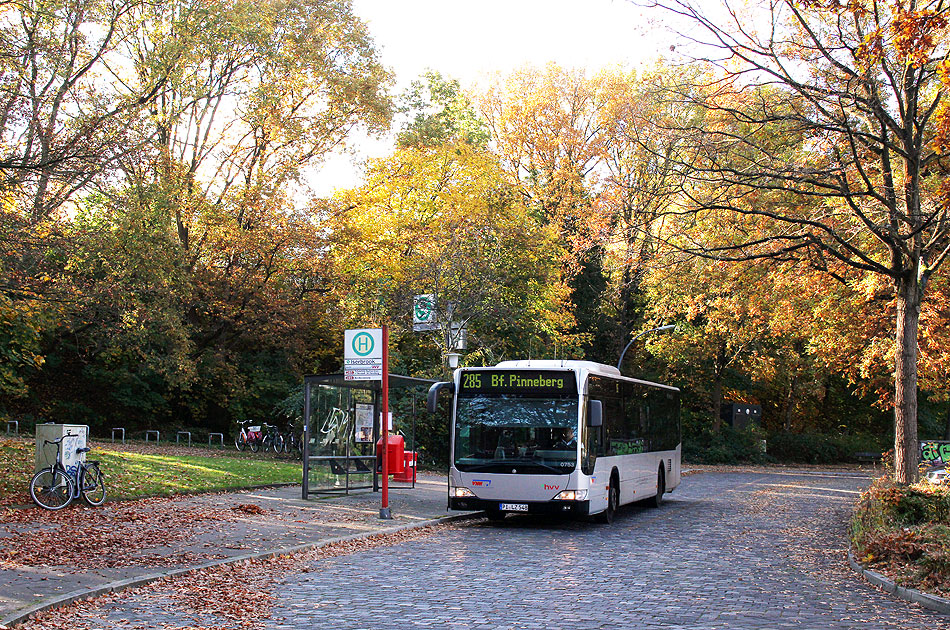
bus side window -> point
(608, 392)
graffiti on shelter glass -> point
(934, 452)
(334, 426)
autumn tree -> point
(823, 126)
(642, 175)
(191, 278)
(447, 221)
(547, 125)
(722, 324)
(69, 98)
(438, 111)
(261, 93)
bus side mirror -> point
(432, 399)
(595, 413)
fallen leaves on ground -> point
(232, 596)
(110, 536)
(249, 508)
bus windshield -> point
(516, 434)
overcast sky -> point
(465, 39)
(470, 40)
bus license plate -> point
(514, 507)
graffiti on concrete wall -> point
(934, 452)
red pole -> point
(384, 511)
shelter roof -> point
(395, 380)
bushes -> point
(726, 447)
(730, 446)
(904, 531)
(819, 448)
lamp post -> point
(627, 347)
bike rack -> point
(120, 431)
(181, 433)
(220, 436)
(152, 432)
(16, 427)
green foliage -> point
(449, 222)
(439, 113)
(822, 448)
(21, 327)
(725, 447)
(702, 445)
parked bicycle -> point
(249, 436)
(56, 487)
(289, 440)
(293, 440)
(273, 439)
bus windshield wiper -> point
(515, 463)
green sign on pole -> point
(423, 313)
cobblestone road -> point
(744, 550)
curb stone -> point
(933, 602)
(121, 585)
(195, 493)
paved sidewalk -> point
(186, 533)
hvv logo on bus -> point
(547, 487)
(481, 483)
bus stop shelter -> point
(342, 426)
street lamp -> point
(453, 359)
(627, 347)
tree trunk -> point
(905, 398)
(790, 404)
(717, 403)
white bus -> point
(559, 437)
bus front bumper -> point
(573, 508)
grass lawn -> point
(136, 472)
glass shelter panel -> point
(342, 420)
(339, 451)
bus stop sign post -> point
(384, 511)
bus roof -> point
(563, 364)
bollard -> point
(211, 437)
(181, 433)
(16, 427)
(152, 432)
(120, 431)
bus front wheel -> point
(660, 488)
(613, 502)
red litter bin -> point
(409, 468)
(397, 455)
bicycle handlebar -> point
(60, 439)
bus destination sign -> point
(518, 382)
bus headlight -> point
(458, 493)
(571, 495)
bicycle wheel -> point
(279, 443)
(267, 443)
(255, 445)
(93, 488)
(51, 489)
(297, 446)
(240, 442)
